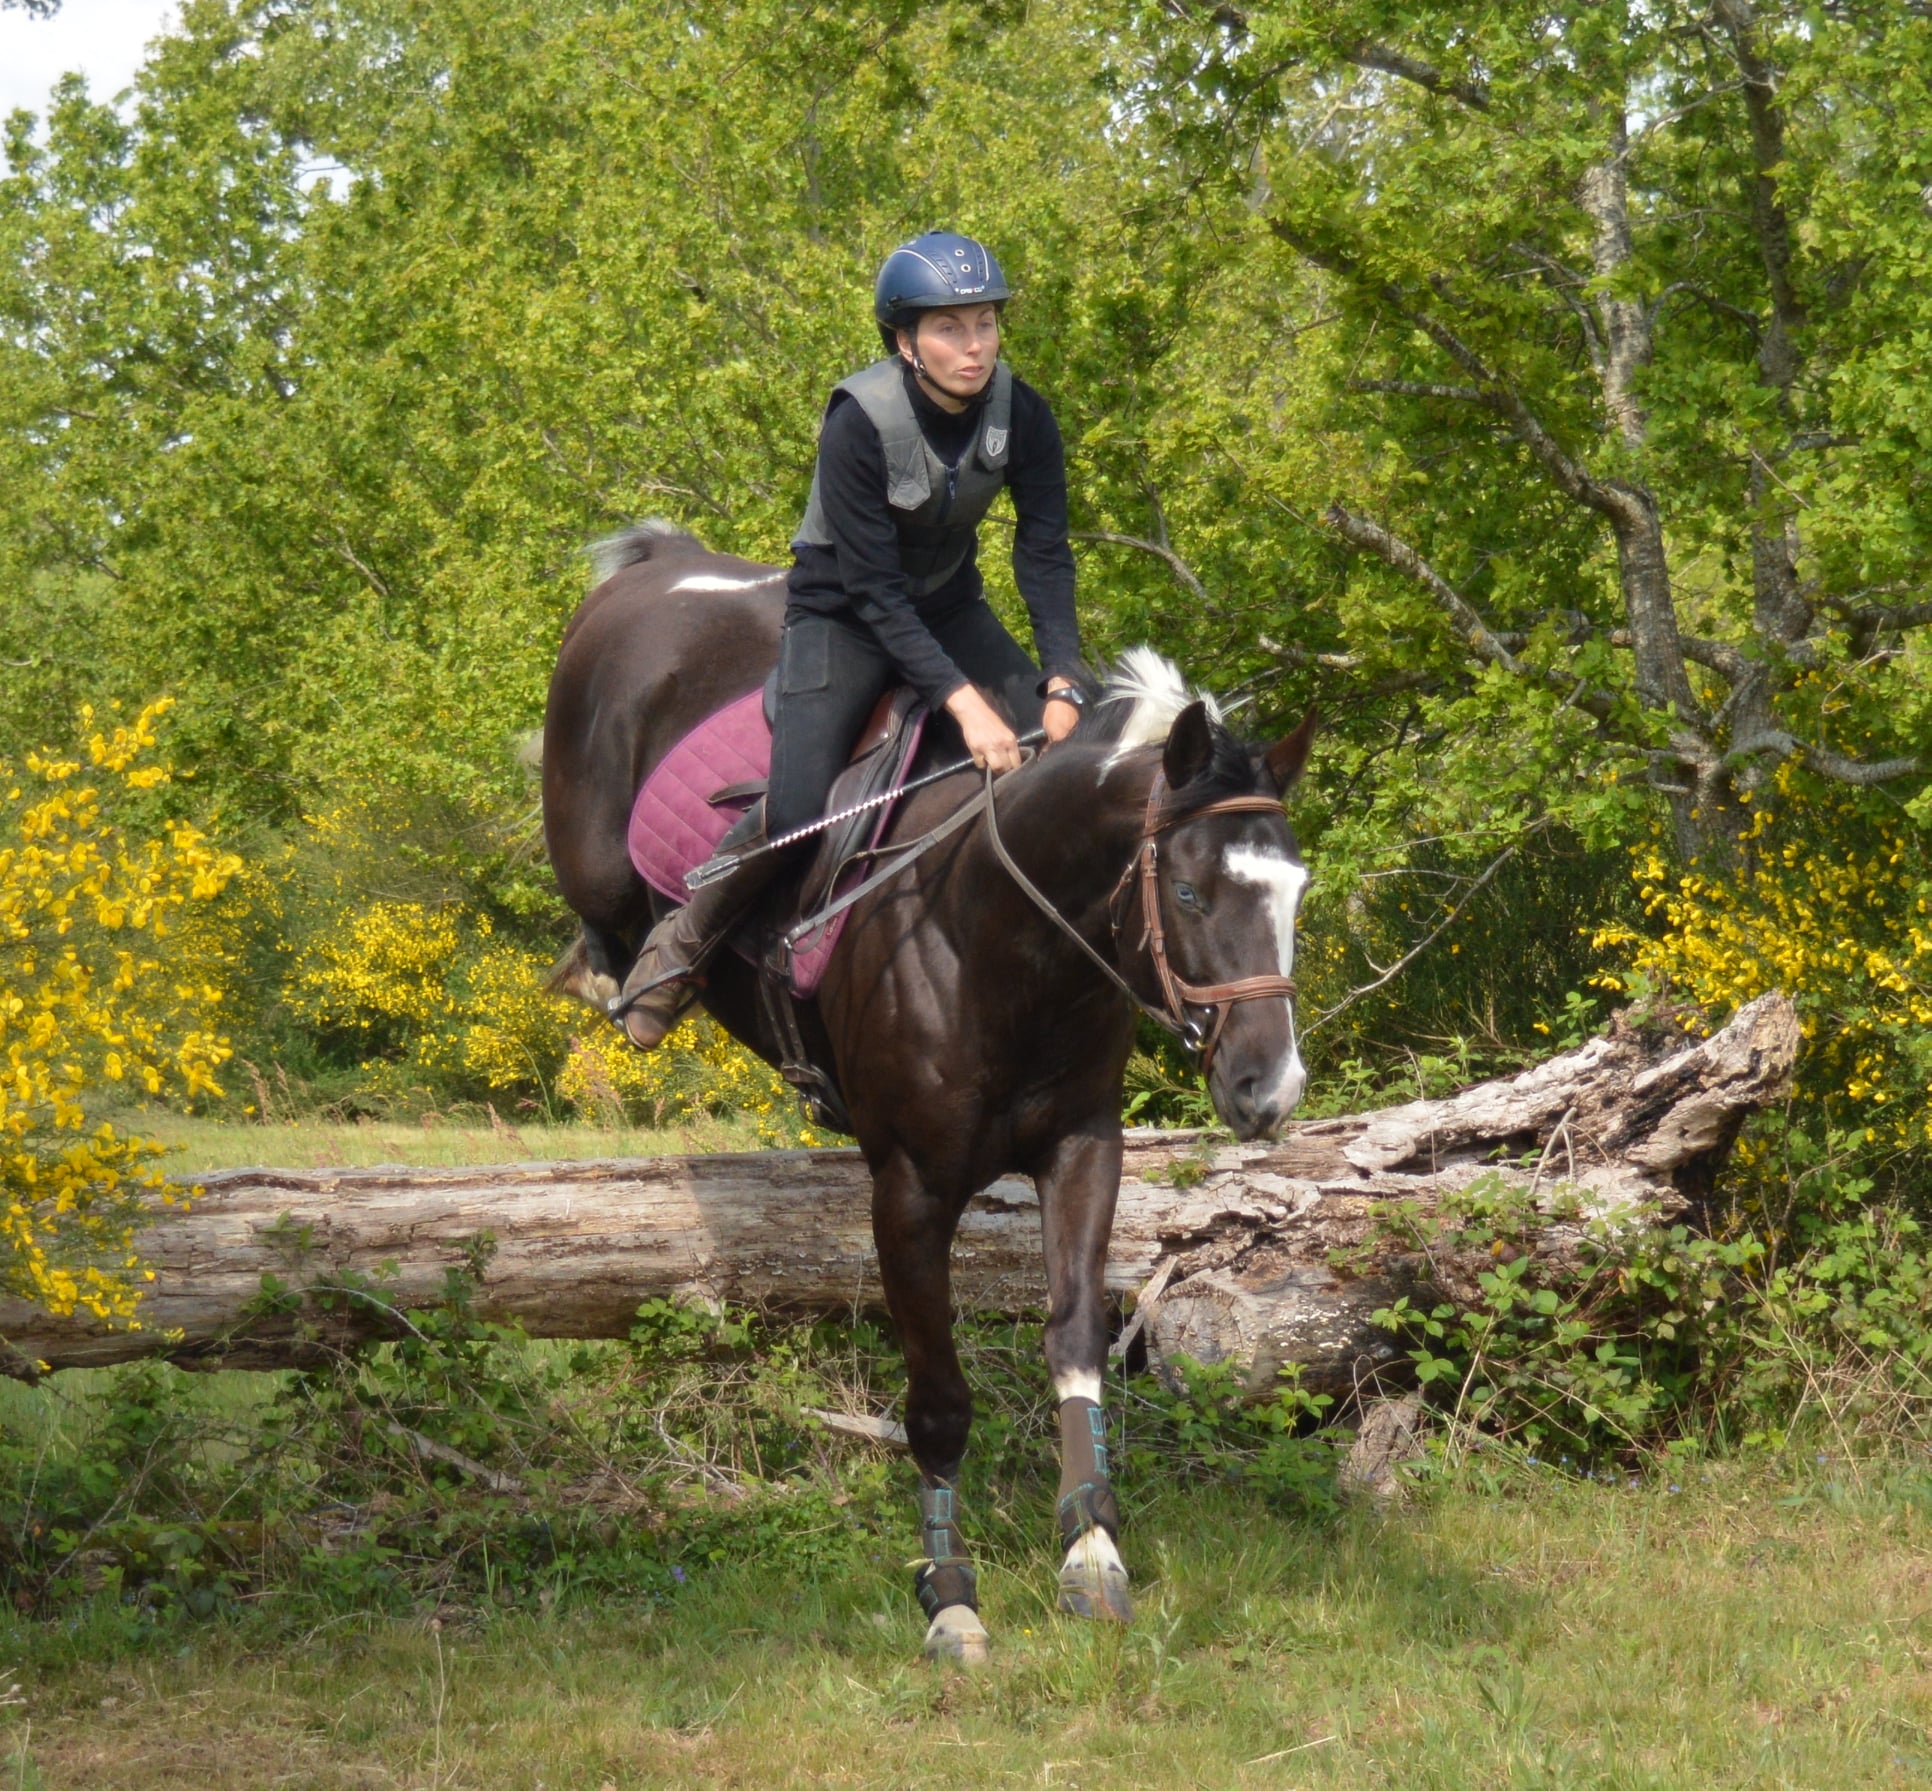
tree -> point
(1623, 292)
(320, 369)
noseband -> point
(1177, 994)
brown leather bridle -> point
(1176, 992)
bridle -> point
(1142, 876)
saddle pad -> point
(675, 826)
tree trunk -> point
(1231, 1250)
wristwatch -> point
(1068, 693)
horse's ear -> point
(1284, 762)
(1190, 746)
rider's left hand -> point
(1059, 717)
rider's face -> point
(959, 347)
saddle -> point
(701, 789)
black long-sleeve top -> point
(861, 572)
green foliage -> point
(1749, 1628)
(1813, 1320)
(319, 368)
(462, 1462)
(1211, 1427)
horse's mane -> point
(1142, 696)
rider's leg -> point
(831, 674)
(662, 982)
(976, 641)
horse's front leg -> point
(913, 1227)
(1078, 1187)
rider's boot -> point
(665, 979)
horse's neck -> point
(1079, 823)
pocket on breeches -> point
(805, 660)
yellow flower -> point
(91, 995)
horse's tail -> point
(633, 546)
(572, 974)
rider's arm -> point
(1042, 558)
(852, 493)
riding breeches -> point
(831, 673)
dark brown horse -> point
(973, 1038)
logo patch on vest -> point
(995, 443)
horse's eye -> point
(1184, 894)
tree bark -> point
(1231, 1251)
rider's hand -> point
(988, 739)
(1059, 718)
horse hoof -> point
(1093, 1583)
(1096, 1592)
(957, 1635)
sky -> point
(104, 39)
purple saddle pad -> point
(675, 826)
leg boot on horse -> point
(664, 980)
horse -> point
(981, 1006)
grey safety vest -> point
(936, 508)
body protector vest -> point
(937, 508)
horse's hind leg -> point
(1078, 1187)
(914, 1231)
(609, 956)
(593, 969)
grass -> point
(1745, 1631)
(433, 1141)
(1748, 1625)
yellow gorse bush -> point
(699, 1069)
(436, 999)
(103, 987)
(1835, 909)
(383, 973)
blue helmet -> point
(930, 273)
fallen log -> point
(1263, 1254)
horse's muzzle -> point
(1257, 1104)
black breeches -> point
(832, 671)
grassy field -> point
(1766, 1625)
(1746, 1630)
(435, 1141)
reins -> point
(1177, 993)
(1066, 926)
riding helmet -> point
(930, 273)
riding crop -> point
(715, 869)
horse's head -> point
(1224, 881)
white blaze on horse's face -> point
(1282, 881)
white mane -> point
(1154, 686)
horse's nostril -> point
(1248, 1107)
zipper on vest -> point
(952, 491)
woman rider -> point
(885, 586)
